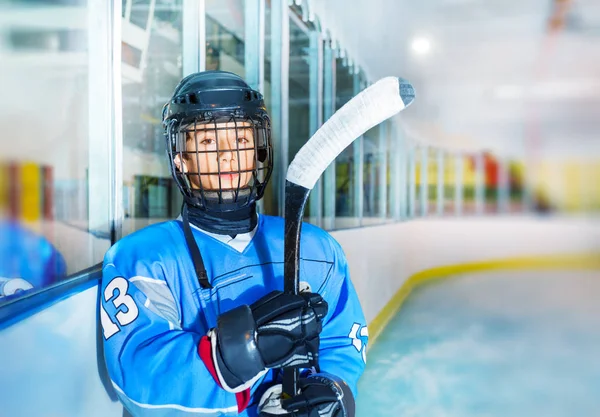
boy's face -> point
(234, 159)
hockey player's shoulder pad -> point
(317, 238)
(313, 237)
(148, 243)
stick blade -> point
(370, 107)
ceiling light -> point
(421, 45)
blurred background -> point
(501, 147)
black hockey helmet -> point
(218, 137)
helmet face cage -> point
(203, 141)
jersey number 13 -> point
(116, 291)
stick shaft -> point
(296, 197)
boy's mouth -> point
(229, 177)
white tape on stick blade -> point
(370, 107)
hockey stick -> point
(370, 107)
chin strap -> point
(194, 250)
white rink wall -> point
(382, 258)
(51, 365)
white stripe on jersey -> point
(233, 409)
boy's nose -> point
(226, 154)
(226, 150)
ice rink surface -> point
(502, 344)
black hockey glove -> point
(320, 395)
(279, 330)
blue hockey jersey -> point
(154, 313)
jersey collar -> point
(239, 243)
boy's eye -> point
(243, 140)
(207, 141)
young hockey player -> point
(194, 318)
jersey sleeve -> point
(154, 364)
(344, 337)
